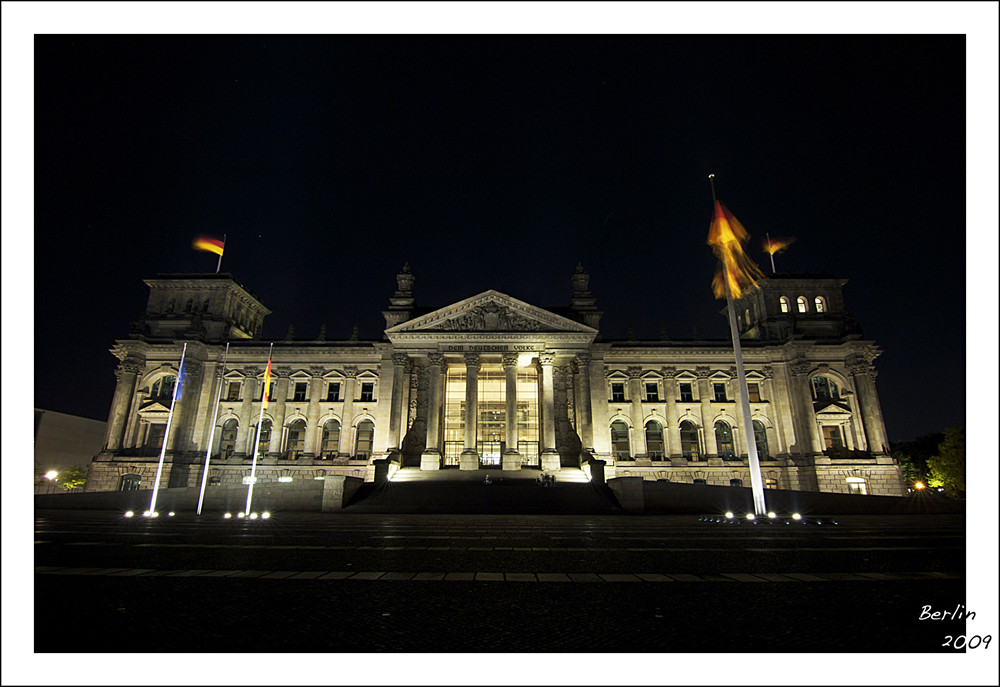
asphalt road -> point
(498, 583)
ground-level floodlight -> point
(729, 515)
(129, 514)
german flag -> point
(209, 244)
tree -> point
(947, 466)
(74, 478)
(913, 455)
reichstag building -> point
(491, 382)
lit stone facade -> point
(494, 382)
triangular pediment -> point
(830, 407)
(154, 407)
(491, 311)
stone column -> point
(511, 459)
(280, 397)
(430, 459)
(312, 414)
(635, 411)
(550, 457)
(707, 422)
(585, 411)
(347, 421)
(469, 460)
(396, 404)
(127, 374)
(246, 407)
(864, 374)
(802, 406)
(673, 421)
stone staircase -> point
(411, 490)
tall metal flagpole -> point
(219, 265)
(756, 482)
(256, 442)
(211, 434)
(166, 434)
(769, 251)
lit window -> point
(228, 443)
(802, 303)
(820, 304)
(270, 392)
(770, 483)
(720, 392)
(300, 391)
(686, 394)
(333, 392)
(233, 393)
(296, 439)
(366, 436)
(129, 482)
(214, 481)
(368, 391)
(265, 439)
(783, 303)
(831, 437)
(825, 389)
(856, 485)
(724, 440)
(331, 439)
(163, 388)
(619, 441)
(618, 391)
(652, 392)
(760, 437)
(753, 392)
(689, 440)
(654, 440)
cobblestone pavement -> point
(310, 582)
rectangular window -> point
(333, 392)
(300, 391)
(652, 392)
(367, 391)
(856, 485)
(831, 437)
(270, 392)
(686, 395)
(233, 392)
(753, 392)
(618, 392)
(720, 392)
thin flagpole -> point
(211, 434)
(770, 252)
(256, 442)
(166, 434)
(219, 265)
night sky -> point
(500, 162)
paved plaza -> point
(495, 583)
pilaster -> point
(550, 457)
(511, 459)
(469, 460)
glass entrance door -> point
(492, 412)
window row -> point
(685, 392)
(802, 304)
(690, 441)
(295, 440)
(299, 391)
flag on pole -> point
(179, 384)
(267, 382)
(209, 244)
(726, 236)
(776, 245)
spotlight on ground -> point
(796, 516)
(253, 516)
(145, 514)
(129, 514)
(751, 516)
(265, 515)
(170, 514)
(227, 516)
(772, 515)
(729, 515)
(240, 514)
(154, 514)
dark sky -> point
(500, 162)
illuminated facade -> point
(493, 382)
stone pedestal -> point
(468, 460)
(550, 461)
(430, 460)
(510, 460)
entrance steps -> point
(411, 490)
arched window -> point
(783, 302)
(820, 304)
(331, 439)
(802, 303)
(296, 439)
(746, 316)
(228, 443)
(204, 306)
(724, 440)
(163, 388)
(825, 389)
(129, 482)
(366, 437)
(189, 305)
(689, 440)
(265, 439)
(619, 441)
(760, 436)
(654, 440)
(735, 482)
